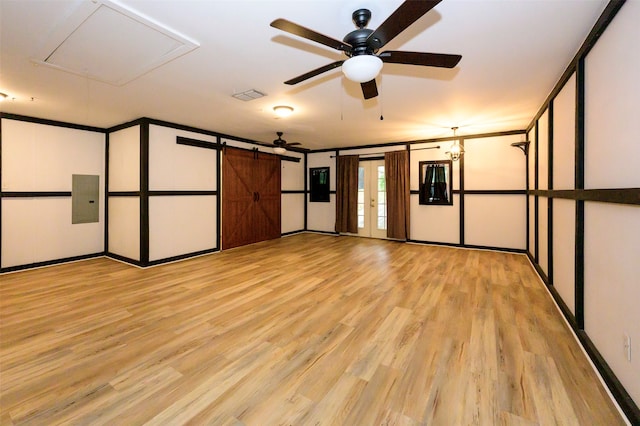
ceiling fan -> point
(361, 46)
(280, 145)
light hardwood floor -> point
(304, 330)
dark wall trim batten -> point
(181, 193)
(468, 246)
(51, 262)
(181, 257)
(124, 194)
(422, 141)
(180, 140)
(286, 234)
(579, 185)
(536, 201)
(51, 122)
(133, 123)
(124, 259)
(462, 192)
(211, 133)
(482, 192)
(629, 196)
(144, 193)
(492, 192)
(106, 193)
(306, 187)
(35, 194)
(323, 232)
(550, 200)
(218, 199)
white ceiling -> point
(513, 52)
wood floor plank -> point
(305, 330)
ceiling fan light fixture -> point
(362, 68)
(283, 110)
(279, 150)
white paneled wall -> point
(124, 226)
(493, 164)
(42, 158)
(180, 167)
(543, 234)
(124, 175)
(124, 159)
(495, 220)
(612, 287)
(612, 151)
(181, 224)
(292, 213)
(322, 216)
(564, 136)
(611, 230)
(292, 179)
(564, 250)
(439, 224)
(543, 151)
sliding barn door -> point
(250, 197)
(268, 217)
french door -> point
(372, 199)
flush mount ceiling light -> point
(362, 68)
(283, 110)
(456, 150)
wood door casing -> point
(250, 197)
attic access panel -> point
(110, 43)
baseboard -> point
(50, 262)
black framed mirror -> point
(319, 184)
(436, 178)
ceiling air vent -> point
(106, 41)
(249, 95)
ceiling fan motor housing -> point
(358, 38)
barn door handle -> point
(258, 196)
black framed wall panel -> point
(592, 211)
(124, 194)
(184, 192)
(36, 176)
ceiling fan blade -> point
(405, 15)
(369, 89)
(293, 143)
(442, 60)
(313, 73)
(299, 30)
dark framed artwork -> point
(319, 184)
(436, 179)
